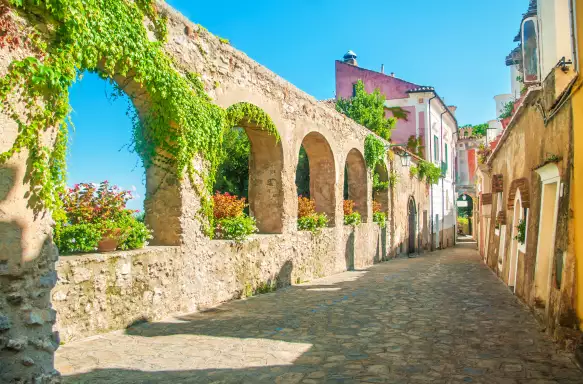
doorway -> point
(412, 224)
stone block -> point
(5, 323)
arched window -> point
(530, 61)
(316, 174)
(355, 176)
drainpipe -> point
(442, 179)
(431, 240)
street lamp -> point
(405, 157)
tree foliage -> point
(368, 109)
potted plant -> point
(94, 217)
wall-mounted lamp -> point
(405, 157)
(563, 64)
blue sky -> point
(457, 46)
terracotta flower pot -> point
(109, 240)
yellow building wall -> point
(577, 103)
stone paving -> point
(439, 318)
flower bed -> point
(95, 218)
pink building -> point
(428, 118)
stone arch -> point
(322, 174)
(265, 168)
(519, 186)
(356, 174)
(519, 212)
(381, 196)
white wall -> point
(554, 25)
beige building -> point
(525, 186)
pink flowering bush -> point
(90, 211)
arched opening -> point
(519, 217)
(380, 190)
(465, 212)
(550, 180)
(316, 174)
(355, 182)
(412, 219)
(252, 165)
(103, 203)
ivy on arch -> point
(175, 119)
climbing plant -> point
(426, 171)
(368, 109)
(177, 120)
(374, 151)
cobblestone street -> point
(439, 318)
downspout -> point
(430, 128)
(442, 180)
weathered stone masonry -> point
(185, 271)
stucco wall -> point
(525, 146)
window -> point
(530, 50)
(435, 148)
(354, 90)
(446, 157)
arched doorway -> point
(465, 213)
(518, 216)
(412, 214)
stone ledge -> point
(103, 256)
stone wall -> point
(102, 292)
(187, 271)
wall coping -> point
(103, 256)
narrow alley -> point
(439, 318)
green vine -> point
(426, 171)
(521, 231)
(175, 119)
(374, 151)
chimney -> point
(392, 74)
(350, 58)
(452, 109)
(382, 68)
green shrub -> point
(521, 235)
(235, 228)
(135, 234)
(352, 219)
(380, 218)
(463, 221)
(77, 237)
(312, 223)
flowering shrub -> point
(378, 216)
(350, 217)
(90, 211)
(227, 205)
(231, 223)
(90, 203)
(348, 207)
(308, 218)
(306, 207)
